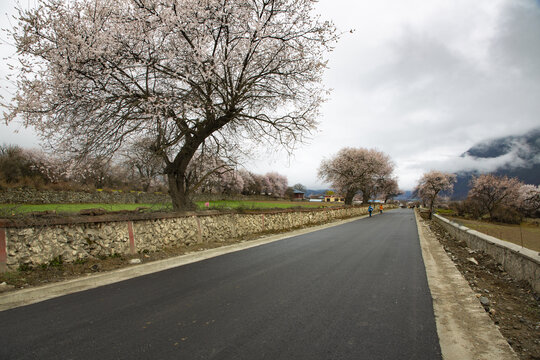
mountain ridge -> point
(519, 154)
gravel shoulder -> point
(480, 310)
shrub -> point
(507, 215)
(459, 208)
(468, 208)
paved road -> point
(355, 291)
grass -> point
(17, 209)
(270, 204)
(526, 235)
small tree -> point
(529, 199)
(352, 170)
(18, 165)
(492, 192)
(431, 184)
(299, 187)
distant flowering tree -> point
(208, 173)
(492, 192)
(529, 199)
(388, 189)
(277, 184)
(353, 170)
(249, 183)
(230, 183)
(143, 162)
(97, 74)
(431, 184)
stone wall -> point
(521, 263)
(72, 239)
(33, 196)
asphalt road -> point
(355, 291)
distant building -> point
(334, 198)
(316, 198)
(298, 195)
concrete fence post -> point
(199, 232)
(3, 250)
(131, 238)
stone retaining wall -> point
(521, 263)
(72, 239)
(33, 196)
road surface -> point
(354, 291)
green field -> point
(17, 209)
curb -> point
(465, 330)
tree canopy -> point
(431, 184)
(354, 170)
(96, 75)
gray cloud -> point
(422, 81)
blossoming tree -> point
(354, 170)
(529, 199)
(97, 74)
(431, 184)
(492, 191)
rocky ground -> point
(512, 305)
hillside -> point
(519, 156)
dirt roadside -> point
(513, 307)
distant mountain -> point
(407, 195)
(519, 157)
(310, 192)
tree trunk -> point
(431, 202)
(365, 197)
(146, 185)
(349, 196)
(179, 192)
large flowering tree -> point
(98, 74)
(354, 170)
(492, 191)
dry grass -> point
(526, 234)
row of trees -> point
(134, 170)
(353, 171)
(501, 198)
(35, 168)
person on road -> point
(380, 209)
(370, 210)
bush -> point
(459, 208)
(507, 215)
(467, 208)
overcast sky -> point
(422, 81)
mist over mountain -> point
(512, 156)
